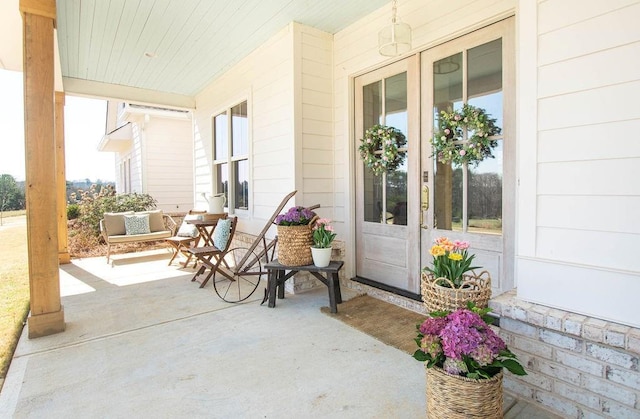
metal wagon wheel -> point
(237, 274)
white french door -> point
(473, 203)
(400, 213)
(387, 215)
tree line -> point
(12, 194)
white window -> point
(231, 155)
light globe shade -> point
(394, 39)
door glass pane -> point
(372, 115)
(241, 169)
(239, 130)
(397, 195)
(220, 136)
(484, 208)
(396, 116)
(447, 93)
(485, 194)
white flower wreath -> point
(448, 142)
(387, 141)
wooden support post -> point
(47, 314)
(61, 184)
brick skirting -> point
(577, 366)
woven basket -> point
(294, 244)
(456, 397)
(474, 287)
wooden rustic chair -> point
(180, 243)
(210, 255)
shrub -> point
(93, 204)
(73, 211)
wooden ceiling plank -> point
(187, 34)
(111, 27)
(72, 32)
(133, 49)
(119, 51)
(192, 52)
(154, 27)
(92, 24)
(178, 23)
(196, 40)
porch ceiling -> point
(105, 45)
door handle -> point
(425, 197)
(424, 205)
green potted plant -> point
(450, 282)
(323, 237)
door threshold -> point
(388, 288)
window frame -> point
(230, 159)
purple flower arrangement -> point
(295, 216)
(462, 343)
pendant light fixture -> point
(394, 39)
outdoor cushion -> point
(114, 222)
(156, 221)
(136, 224)
(189, 230)
(221, 233)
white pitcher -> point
(216, 202)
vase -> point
(321, 256)
(439, 294)
(455, 397)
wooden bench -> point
(112, 228)
(277, 276)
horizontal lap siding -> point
(589, 117)
(265, 79)
(586, 191)
(315, 131)
(169, 161)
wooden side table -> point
(277, 276)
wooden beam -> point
(47, 315)
(44, 8)
(61, 184)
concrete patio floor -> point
(142, 340)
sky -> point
(84, 121)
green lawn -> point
(14, 287)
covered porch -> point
(143, 340)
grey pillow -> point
(137, 224)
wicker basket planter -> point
(294, 245)
(475, 288)
(456, 397)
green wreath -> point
(379, 148)
(448, 142)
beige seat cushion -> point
(156, 220)
(158, 235)
(114, 222)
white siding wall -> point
(314, 116)
(580, 198)
(169, 167)
(265, 79)
(136, 158)
(356, 52)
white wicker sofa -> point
(118, 227)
